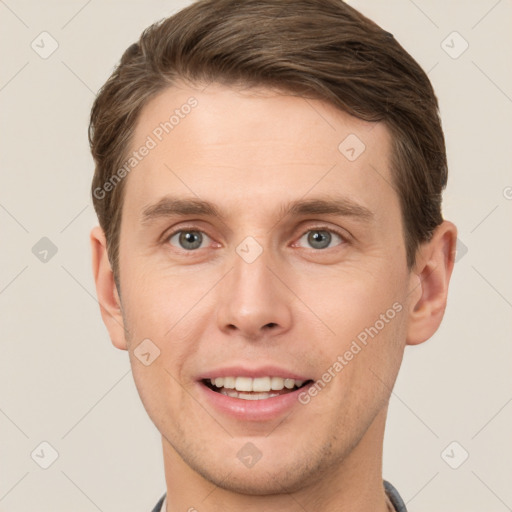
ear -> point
(432, 272)
(106, 290)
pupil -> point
(192, 238)
(317, 237)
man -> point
(268, 186)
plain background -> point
(61, 380)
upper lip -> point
(260, 371)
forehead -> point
(248, 147)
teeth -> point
(277, 383)
(224, 382)
(229, 382)
(289, 383)
(247, 396)
(259, 384)
(242, 384)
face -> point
(261, 248)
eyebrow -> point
(170, 206)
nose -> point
(253, 300)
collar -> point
(394, 500)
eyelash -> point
(344, 237)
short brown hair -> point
(323, 49)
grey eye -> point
(320, 238)
(188, 239)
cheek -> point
(366, 317)
(159, 351)
(153, 302)
(348, 300)
(168, 310)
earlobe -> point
(433, 271)
(106, 290)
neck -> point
(353, 484)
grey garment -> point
(158, 506)
(392, 493)
(395, 498)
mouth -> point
(247, 394)
(259, 388)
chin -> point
(260, 481)
(275, 473)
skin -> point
(250, 152)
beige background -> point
(61, 381)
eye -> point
(188, 239)
(321, 238)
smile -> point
(261, 394)
(259, 388)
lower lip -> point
(253, 410)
